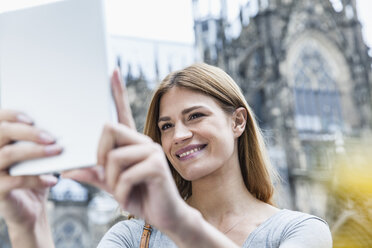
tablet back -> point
(54, 67)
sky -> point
(172, 20)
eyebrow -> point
(185, 111)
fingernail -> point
(49, 179)
(53, 149)
(47, 138)
(24, 119)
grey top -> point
(285, 229)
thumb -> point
(9, 183)
(93, 176)
(121, 100)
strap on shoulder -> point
(145, 238)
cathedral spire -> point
(223, 11)
(263, 5)
(195, 10)
(350, 9)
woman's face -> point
(196, 134)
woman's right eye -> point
(166, 126)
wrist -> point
(31, 234)
(189, 224)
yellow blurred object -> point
(352, 188)
(355, 180)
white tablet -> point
(54, 67)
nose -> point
(181, 133)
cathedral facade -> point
(305, 71)
(303, 68)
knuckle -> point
(118, 196)
(108, 128)
(124, 179)
(4, 126)
(148, 139)
(6, 153)
(9, 112)
(159, 148)
(156, 148)
(158, 161)
(113, 157)
(18, 181)
(101, 157)
(35, 132)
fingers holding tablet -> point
(16, 126)
(11, 154)
(117, 135)
(10, 131)
(15, 116)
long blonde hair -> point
(214, 82)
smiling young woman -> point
(199, 175)
(218, 161)
(214, 85)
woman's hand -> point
(137, 174)
(119, 91)
(133, 168)
(23, 198)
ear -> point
(239, 121)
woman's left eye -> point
(195, 115)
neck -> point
(224, 188)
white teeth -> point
(189, 152)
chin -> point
(195, 170)
(193, 175)
(186, 176)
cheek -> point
(225, 144)
(164, 141)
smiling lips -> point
(186, 152)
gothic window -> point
(205, 26)
(69, 190)
(255, 67)
(317, 155)
(69, 232)
(317, 100)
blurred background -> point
(304, 67)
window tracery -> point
(317, 99)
